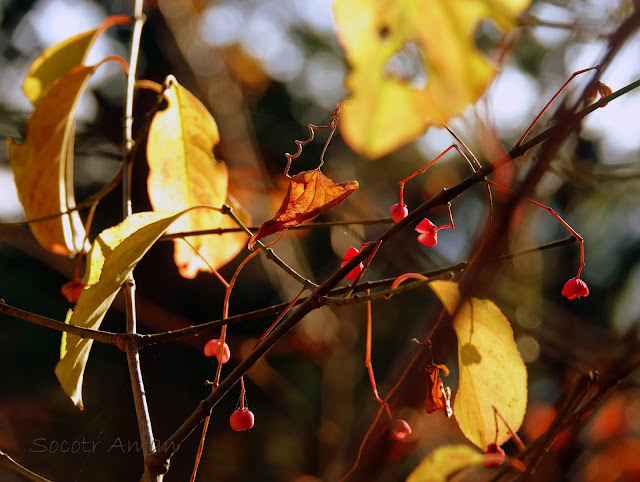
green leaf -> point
(445, 462)
(62, 57)
(492, 373)
(114, 254)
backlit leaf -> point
(413, 63)
(43, 165)
(310, 193)
(445, 462)
(62, 57)
(184, 173)
(113, 256)
(492, 373)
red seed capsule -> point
(398, 429)
(575, 288)
(241, 419)
(495, 456)
(399, 212)
(212, 348)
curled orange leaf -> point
(310, 193)
(438, 396)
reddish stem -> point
(575, 74)
(367, 361)
(553, 213)
(428, 165)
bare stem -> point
(16, 467)
(97, 335)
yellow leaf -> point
(184, 173)
(62, 57)
(445, 462)
(43, 165)
(413, 64)
(492, 373)
(63, 340)
(114, 254)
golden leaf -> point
(444, 463)
(58, 59)
(414, 63)
(310, 193)
(492, 373)
(184, 173)
(43, 165)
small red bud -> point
(429, 236)
(399, 212)
(212, 348)
(398, 429)
(72, 289)
(348, 256)
(575, 288)
(495, 456)
(241, 419)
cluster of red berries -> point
(428, 231)
(572, 289)
(242, 418)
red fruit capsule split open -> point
(212, 348)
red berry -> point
(429, 236)
(241, 419)
(398, 429)
(72, 289)
(348, 256)
(575, 288)
(212, 348)
(495, 456)
(399, 212)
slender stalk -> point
(314, 225)
(16, 467)
(131, 349)
(97, 335)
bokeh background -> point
(266, 69)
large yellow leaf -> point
(413, 63)
(43, 165)
(114, 254)
(62, 57)
(184, 173)
(492, 373)
(445, 462)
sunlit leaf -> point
(43, 164)
(184, 173)
(113, 256)
(62, 57)
(413, 63)
(492, 373)
(445, 462)
(310, 193)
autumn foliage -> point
(411, 65)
